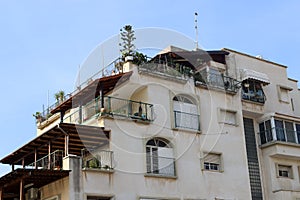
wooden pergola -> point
(69, 138)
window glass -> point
(185, 113)
(269, 130)
(279, 130)
(212, 161)
(262, 133)
(159, 157)
(285, 171)
(290, 133)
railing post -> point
(146, 110)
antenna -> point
(196, 29)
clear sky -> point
(42, 43)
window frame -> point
(152, 160)
(184, 99)
(290, 173)
(220, 164)
(222, 119)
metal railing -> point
(113, 68)
(160, 165)
(51, 161)
(282, 134)
(187, 120)
(128, 108)
(99, 159)
(218, 81)
(113, 107)
(258, 97)
(166, 69)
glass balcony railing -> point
(52, 161)
(279, 134)
(113, 107)
(97, 159)
(217, 81)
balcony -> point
(52, 161)
(113, 107)
(166, 70)
(216, 81)
(281, 142)
(258, 97)
(185, 120)
(98, 159)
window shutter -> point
(213, 158)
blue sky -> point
(44, 42)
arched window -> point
(185, 113)
(160, 158)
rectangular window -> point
(283, 93)
(265, 131)
(212, 162)
(284, 171)
(227, 117)
(279, 130)
(290, 133)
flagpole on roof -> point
(196, 29)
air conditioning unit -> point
(32, 194)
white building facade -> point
(186, 125)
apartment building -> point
(186, 125)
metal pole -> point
(35, 158)
(22, 190)
(49, 154)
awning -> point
(251, 74)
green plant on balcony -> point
(38, 116)
(59, 96)
(94, 163)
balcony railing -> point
(113, 68)
(187, 120)
(51, 161)
(113, 107)
(98, 159)
(167, 70)
(161, 165)
(281, 134)
(258, 97)
(217, 81)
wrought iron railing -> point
(166, 70)
(113, 107)
(160, 165)
(258, 97)
(282, 134)
(187, 120)
(113, 68)
(97, 159)
(51, 161)
(218, 81)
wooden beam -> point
(49, 154)
(22, 196)
(1, 193)
(35, 158)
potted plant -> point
(38, 116)
(59, 96)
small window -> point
(227, 117)
(212, 162)
(283, 93)
(284, 171)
